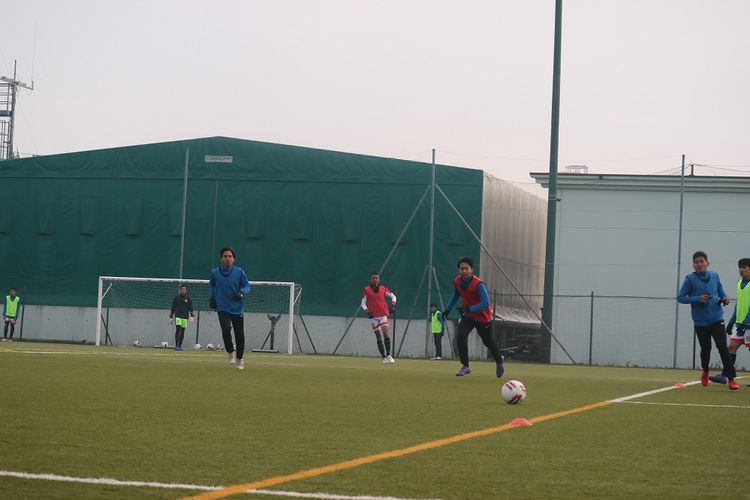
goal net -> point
(136, 310)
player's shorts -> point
(182, 322)
(376, 323)
(739, 338)
(12, 321)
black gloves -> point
(369, 314)
(740, 328)
(391, 309)
(729, 328)
(446, 313)
(238, 295)
(212, 303)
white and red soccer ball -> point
(513, 392)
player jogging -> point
(182, 308)
(476, 313)
(702, 289)
(375, 299)
(10, 313)
(738, 327)
(227, 287)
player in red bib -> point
(375, 299)
(475, 313)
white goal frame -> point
(101, 293)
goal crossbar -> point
(102, 293)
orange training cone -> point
(520, 421)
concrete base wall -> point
(151, 327)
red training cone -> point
(520, 421)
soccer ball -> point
(165, 344)
(513, 392)
(136, 343)
(197, 346)
(210, 347)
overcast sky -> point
(643, 81)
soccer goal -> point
(136, 311)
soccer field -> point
(109, 422)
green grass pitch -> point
(188, 417)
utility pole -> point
(8, 111)
(549, 260)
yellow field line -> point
(350, 464)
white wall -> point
(618, 236)
(78, 324)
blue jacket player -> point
(228, 286)
(702, 289)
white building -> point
(617, 237)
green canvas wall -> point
(321, 218)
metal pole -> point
(549, 260)
(290, 313)
(393, 249)
(591, 327)
(184, 207)
(411, 314)
(403, 231)
(11, 125)
(197, 325)
(213, 237)
(679, 262)
(98, 335)
(500, 268)
(442, 308)
(431, 243)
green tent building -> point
(322, 219)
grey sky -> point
(643, 81)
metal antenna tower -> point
(8, 93)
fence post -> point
(591, 326)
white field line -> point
(324, 496)
(687, 404)
(625, 399)
(649, 393)
(107, 481)
(180, 486)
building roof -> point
(625, 182)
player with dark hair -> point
(10, 313)
(437, 327)
(738, 327)
(228, 286)
(375, 299)
(476, 313)
(182, 309)
(702, 289)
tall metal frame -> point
(430, 269)
(8, 115)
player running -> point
(702, 289)
(476, 313)
(227, 287)
(738, 327)
(374, 303)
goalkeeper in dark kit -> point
(182, 310)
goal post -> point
(132, 308)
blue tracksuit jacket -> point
(224, 283)
(696, 285)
